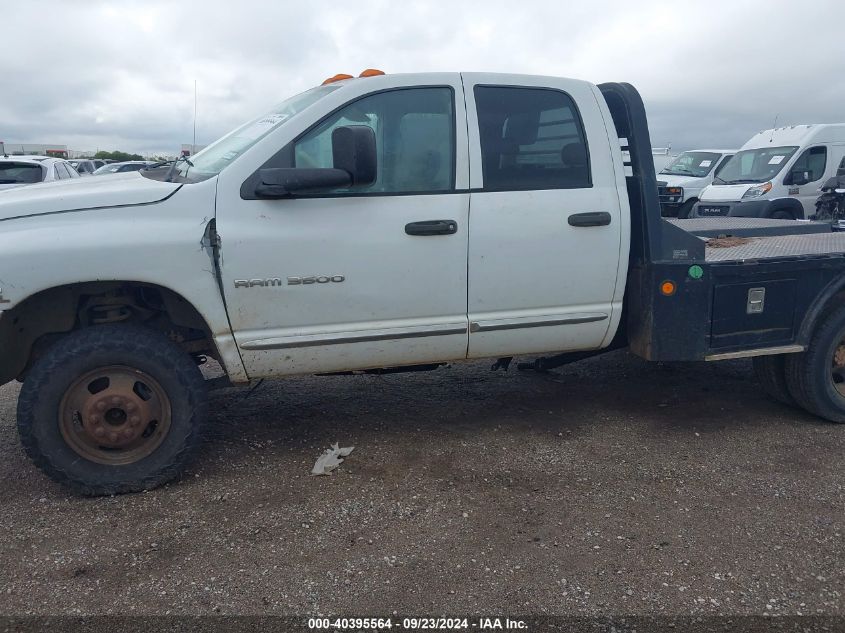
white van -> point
(776, 174)
(680, 182)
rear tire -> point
(112, 409)
(816, 378)
(771, 374)
(686, 208)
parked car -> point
(776, 174)
(84, 167)
(680, 182)
(119, 168)
(17, 171)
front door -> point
(351, 279)
(546, 229)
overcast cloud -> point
(120, 75)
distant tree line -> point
(118, 156)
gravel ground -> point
(608, 486)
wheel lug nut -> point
(113, 436)
(95, 419)
(99, 431)
(101, 405)
(131, 406)
(115, 400)
(134, 420)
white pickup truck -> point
(378, 223)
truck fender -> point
(833, 294)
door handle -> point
(432, 227)
(596, 218)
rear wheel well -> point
(30, 328)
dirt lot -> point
(611, 485)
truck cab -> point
(776, 174)
(680, 182)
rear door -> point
(546, 223)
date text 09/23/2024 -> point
(416, 624)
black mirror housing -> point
(285, 181)
(354, 151)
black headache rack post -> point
(659, 326)
(686, 300)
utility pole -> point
(194, 142)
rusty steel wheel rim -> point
(837, 368)
(114, 415)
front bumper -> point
(748, 209)
(671, 199)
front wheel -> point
(112, 409)
(816, 378)
(686, 209)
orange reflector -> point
(371, 72)
(337, 77)
(667, 288)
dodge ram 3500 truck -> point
(384, 222)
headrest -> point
(521, 128)
(574, 155)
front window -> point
(414, 130)
(695, 164)
(754, 165)
(220, 154)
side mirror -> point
(285, 181)
(354, 151)
(355, 164)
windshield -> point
(18, 173)
(754, 165)
(111, 168)
(220, 154)
(697, 164)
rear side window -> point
(531, 138)
(19, 173)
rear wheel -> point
(816, 378)
(782, 215)
(686, 208)
(112, 409)
(771, 374)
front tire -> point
(816, 378)
(112, 409)
(686, 209)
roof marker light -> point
(337, 77)
(371, 72)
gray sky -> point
(120, 75)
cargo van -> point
(680, 182)
(777, 174)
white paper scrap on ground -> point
(330, 459)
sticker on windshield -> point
(705, 163)
(776, 160)
(262, 126)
